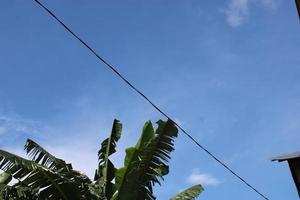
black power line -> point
(149, 101)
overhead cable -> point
(123, 78)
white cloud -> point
(14, 123)
(77, 132)
(238, 11)
(80, 150)
(237, 157)
(2, 130)
(202, 178)
(82, 156)
(270, 4)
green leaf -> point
(39, 155)
(146, 162)
(5, 178)
(48, 182)
(189, 194)
(15, 193)
(106, 170)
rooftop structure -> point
(293, 160)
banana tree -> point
(46, 177)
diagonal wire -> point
(148, 100)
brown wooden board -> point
(295, 170)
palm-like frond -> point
(145, 162)
(15, 193)
(189, 194)
(5, 178)
(39, 155)
(50, 184)
(48, 177)
(106, 170)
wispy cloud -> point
(2, 130)
(271, 4)
(237, 157)
(81, 152)
(202, 178)
(17, 124)
(236, 12)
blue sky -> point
(227, 71)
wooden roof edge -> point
(286, 157)
(298, 7)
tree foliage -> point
(189, 194)
(45, 177)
